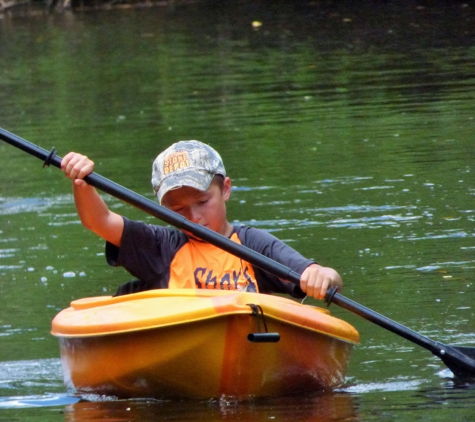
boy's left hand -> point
(315, 280)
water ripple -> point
(9, 206)
(46, 400)
(403, 384)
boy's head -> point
(185, 163)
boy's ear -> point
(226, 188)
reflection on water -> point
(320, 408)
(347, 130)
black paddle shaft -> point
(460, 360)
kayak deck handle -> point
(261, 336)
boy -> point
(189, 178)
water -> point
(347, 132)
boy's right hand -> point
(77, 166)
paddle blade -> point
(468, 351)
(460, 360)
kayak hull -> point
(204, 353)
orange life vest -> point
(201, 265)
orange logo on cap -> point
(176, 161)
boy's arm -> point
(315, 280)
(92, 210)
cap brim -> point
(197, 179)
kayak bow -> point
(201, 344)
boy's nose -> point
(194, 215)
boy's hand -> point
(315, 280)
(76, 166)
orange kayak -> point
(201, 344)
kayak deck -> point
(194, 343)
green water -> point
(348, 132)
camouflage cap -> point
(185, 163)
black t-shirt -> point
(150, 253)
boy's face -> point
(207, 208)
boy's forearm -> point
(92, 210)
(90, 206)
(95, 215)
